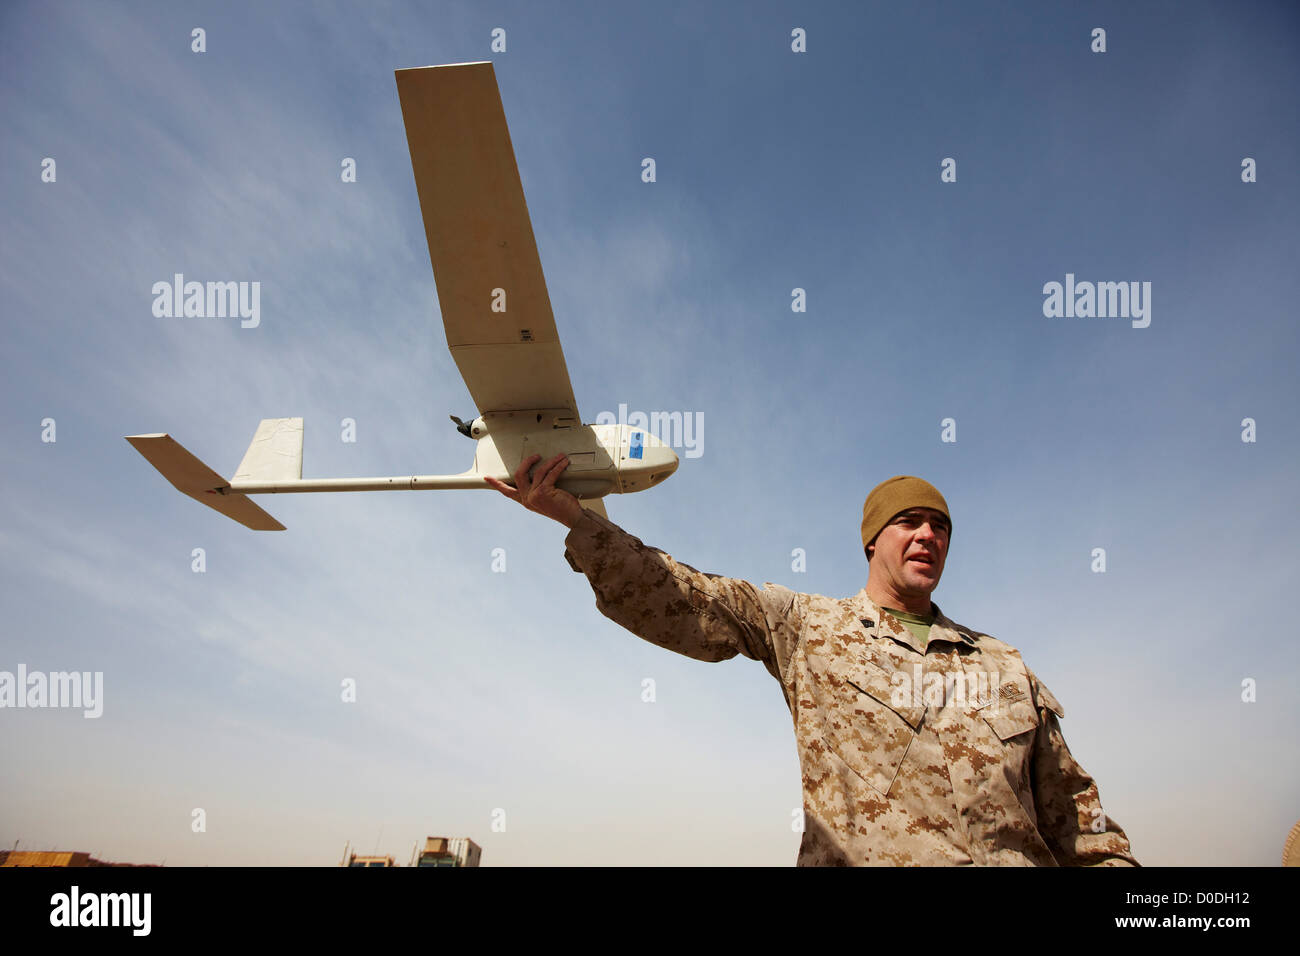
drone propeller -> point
(462, 427)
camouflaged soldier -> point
(921, 742)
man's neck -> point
(914, 605)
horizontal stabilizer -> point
(191, 477)
(275, 454)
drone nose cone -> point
(661, 461)
(643, 458)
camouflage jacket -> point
(948, 755)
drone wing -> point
(490, 285)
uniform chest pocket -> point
(1010, 721)
(1015, 726)
(1008, 710)
(868, 721)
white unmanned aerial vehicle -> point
(480, 241)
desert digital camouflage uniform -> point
(898, 768)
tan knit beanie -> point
(894, 495)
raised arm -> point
(666, 602)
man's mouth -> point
(921, 559)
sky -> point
(500, 705)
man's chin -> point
(921, 582)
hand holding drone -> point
(538, 492)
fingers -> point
(542, 491)
(521, 473)
(502, 487)
(535, 475)
(552, 471)
(530, 480)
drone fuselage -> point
(603, 459)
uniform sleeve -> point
(1067, 800)
(704, 616)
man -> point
(921, 742)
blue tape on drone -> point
(635, 450)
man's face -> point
(909, 552)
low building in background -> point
(456, 851)
(55, 858)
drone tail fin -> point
(275, 453)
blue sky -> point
(482, 691)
